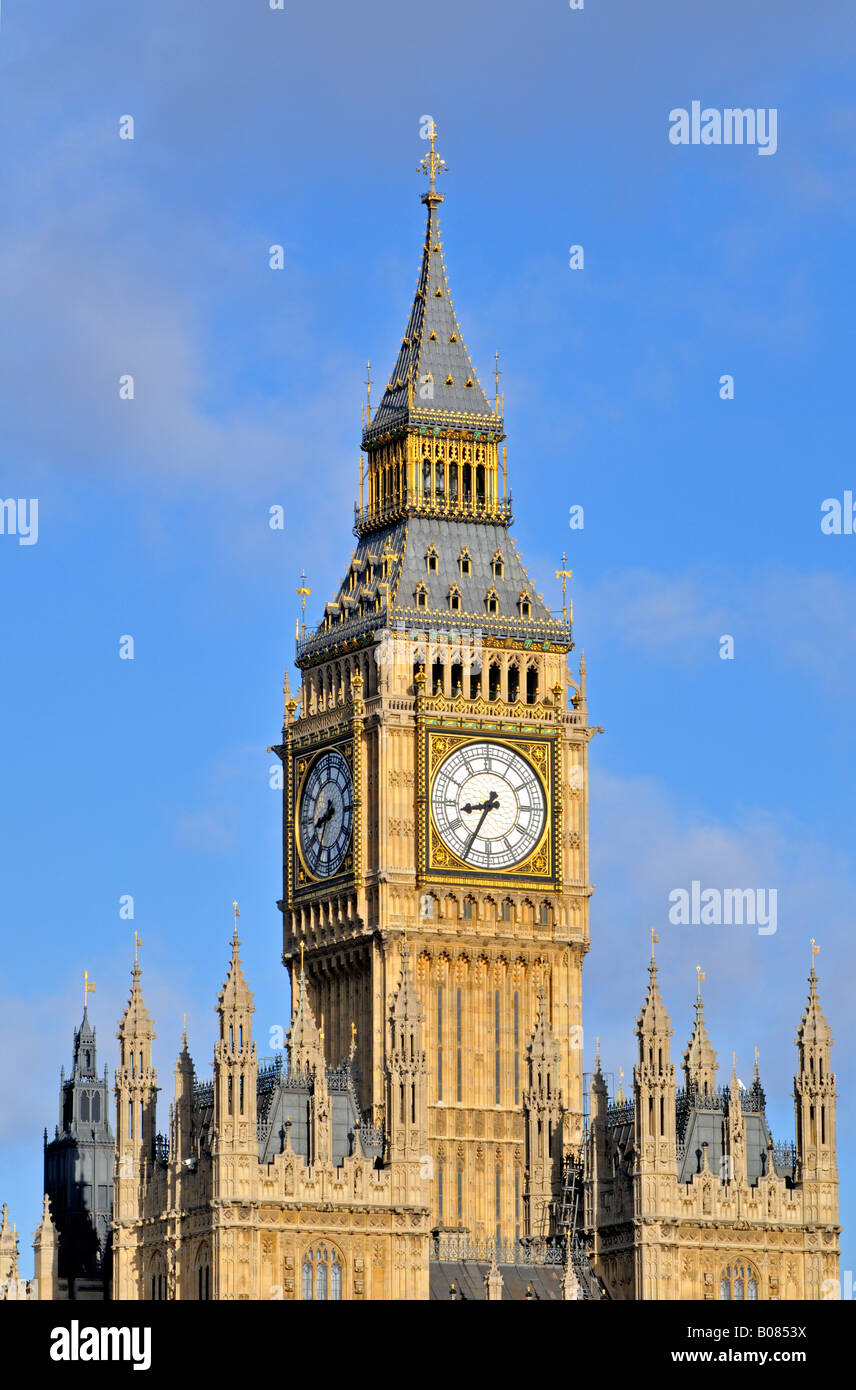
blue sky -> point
(702, 517)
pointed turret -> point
(304, 1038)
(734, 1169)
(542, 1110)
(699, 1058)
(136, 1079)
(8, 1248)
(407, 1071)
(235, 1062)
(814, 1092)
(183, 1137)
(46, 1256)
(654, 1083)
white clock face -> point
(326, 814)
(488, 805)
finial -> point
(597, 1054)
(700, 976)
(184, 1030)
(756, 1076)
(303, 591)
(353, 1050)
(301, 957)
(88, 988)
(815, 951)
(368, 386)
(237, 912)
(138, 941)
(654, 940)
(432, 165)
(564, 574)
(321, 1032)
(620, 1098)
(496, 375)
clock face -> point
(326, 814)
(488, 805)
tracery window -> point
(322, 1274)
(738, 1281)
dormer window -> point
(465, 562)
(455, 599)
(492, 600)
(498, 564)
(431, 560)
(525, 605)
(421, 595)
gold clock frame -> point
(303, 760)
(436, 860)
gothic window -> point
(738, 1281)
(513, 683)
(440, 474)
(453, 481)
(532, 685)
(87, 1060)
(516, 1024)
(455, 599)
(465, 562)
(322, 1274)
(492, 601)
(468, 909)
(493, 681)
(431, 560)
(437, 677)
(459, 1056)
(84, 1106)
(496, 1038)
(426, 477)
(498, 564)
(421, 596)
(525, 603)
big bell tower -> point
(435, 795)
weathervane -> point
(701, 975)
(138, 941)
(303, 591)
(432, 165)
(564, 574)
(237, 912)
(88, 988)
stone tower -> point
(435, 782)
(78, 1170)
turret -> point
(654, 1084)
(406, 1071)
(542, 1110)
(814, 1097)
(46, 1256)
(699, 1058)
(235, 1061)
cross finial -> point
(700, 976)
(654, 940)
(301, 957)
(432, 165)
(237, 912)
(815, 951)
(138, 941)
(88, 988)
(564, 574)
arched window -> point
(322, 1274)
(84, 1106)
(738, 1281)
(96, 1109)
(426, 477)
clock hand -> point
(491, 804)
(322, 821)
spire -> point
(135, 1023)
(653, 1019)
(304, 1038)
(699, 1058)
(813, 1031)
(433, 380)
(235, 995)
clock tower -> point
(435, 801)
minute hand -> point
(490, 805)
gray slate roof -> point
(433, 346)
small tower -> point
(699, 1058)
(46, 1256)
(78, 1166)
(235, 1074)
(814, 1098)
(654, 1086)
(8, 1252)
(542, 1109)
(734, 1167)
(183, 1136)
(406, 1072)
(136, 1104)
(598, 1167)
